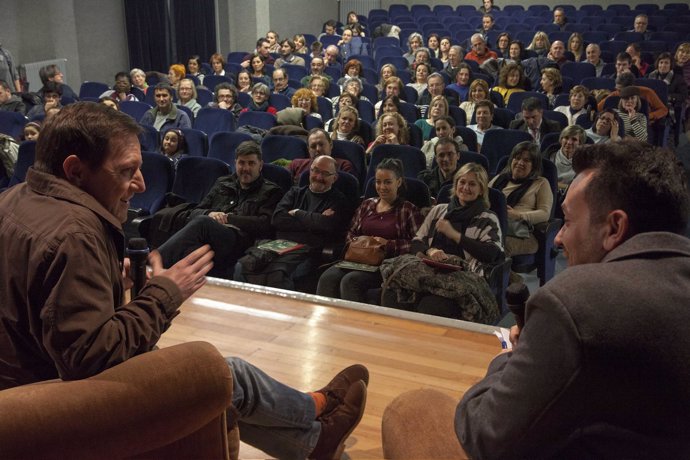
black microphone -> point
(516, 298)
(138, 253)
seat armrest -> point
(143, 404)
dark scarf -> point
(459, 217)
(516, 195)
(252, 107)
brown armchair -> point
(169, 403)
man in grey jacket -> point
(600, 367)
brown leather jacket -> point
(61, 288)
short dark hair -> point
(322, 131)
(485, 103)
(123, 74)
(47, 72)
(224, 85)
(447, 141)
(52, 87)
(532, 103)
(648, 183)
(163, 86)
(84, 129)
(261, 41)
(247, 148)
(290, 43)
(623, 56)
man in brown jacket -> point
(63, 275)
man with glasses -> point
(280, 83)
(314, 216)
(225, 97)
(318, 143)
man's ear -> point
(73, 169)
(617, 226)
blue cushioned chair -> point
(196, 175)
(196, 140)
(212, 120)
(499, 143)
(25, 159)
(412, 158)
(12, 123)
(223, 145)
(274, 147)
(92, 89)
(135, 109)
(263, 120)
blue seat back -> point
(196, 175)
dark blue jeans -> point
(346, 284)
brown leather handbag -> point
(370, 250)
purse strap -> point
(386, 283)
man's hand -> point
(189, 273)
(220, 217)
(328, 212)
(127, 274)
(514, 335)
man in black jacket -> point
(8, 101)
(533, 120)
(315, 216)
(235, 211)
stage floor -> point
(304, 340)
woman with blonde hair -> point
(576, 45)
(479, 91)
(186, 95)
(305, 99)
(540, 43)
(387, 71)
(300, 44)
(390, 129)
(346, 126)
(438, 107)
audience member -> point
(300, 44)
(274, 45)
(176, 73)
(388, 104)
(579, 104)
(446, 152)
(444, 49)
(540, 44)
(576, 46)
(436, 86)
(484, 116)
(262, 49)
(393, 87)
(328, 28)
(53, 73)
(112, 103)
(353, 24)
(225, 97)
(318, 85)
(480, 52)
(557, 53)
(194, 68)
(510, 80)
(533, 120)
(634, 122)
(592, 328)
(332, 56)
(463, 79)
(657, 109)
(287, 54)
(453, 63)
(305, 99)
(351, 45)
(318, 143)
(244, 81)
(31, 131)
(138, 79)
(605, 127)
(503, 45)
(390, 129)
(640, 26)
(236, 211)
(559, 18)
(186, 95)
(464, 233)
(346, 126)
(479, 91)
(488, 7)
(570, 139)
(173, 145)
(414, 42)
(551, 84)
(317, 65)
(438, 107)
(387, 216)
(635, 52)
(623, 65)
(122, 89)
(593, 52)
(257, 69)
(316, 216)
(10, 102)
(259, 101)
(75, 200)
(165, 114)
(528, 197)
(432, 43)
(421, 74)
(352, 69)
(52, 91)
(386, 71)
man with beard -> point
(235, 212)
(314, 216)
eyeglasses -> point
(304, 101)
(321, 172)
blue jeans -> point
(273, 417)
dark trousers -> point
(225, 241)
(346, 284)
(426, 303)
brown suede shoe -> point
(337, 426)
(337, 388)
